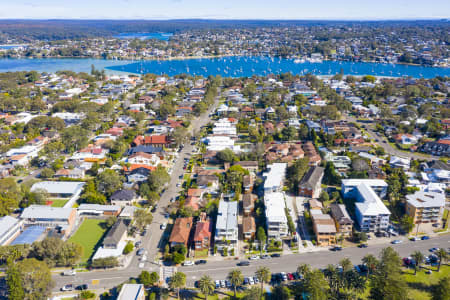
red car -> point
(290, 276)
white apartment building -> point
(274, 177)
(276, 220)
(224, 127)
(227, 224)
(371, 213)
(219, 143)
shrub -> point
(128, 248)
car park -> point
(188, 263)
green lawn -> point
(88, 236)
(201, 253)
(58, 202)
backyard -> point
(88, 235)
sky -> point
(225, 9)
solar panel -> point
(29, 235)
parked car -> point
(228, 283)
(276, 255)
(290, 276)
(425, 237)
(188, 263)
(82, 287)
(67, 287)
(254, 257)
(163, 226)
(222, 284)
(69, 273)
(283, 276)
(217, 282)
(362, 245)
(434, 249)
(336, 248)
(243, 263)
(251, 281)
(415, 238)
(140, 251)
(256, 280)
(200, 262)
(265, 256)
(246, 281)
(396, 242)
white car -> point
(251, 281)
(70, 273)
(254, 257)
(222, 283)
(143, 258)
(188, 263)
(141, 265)
(163, 226)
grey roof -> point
(46, 212)
(126, 195)
(227, 215)
(58, 187)
(340, 214)
(439, 165)
(312, 176)
(6, 223)
(372, 204)
(115, 233)
(145, 149)
(130, 291)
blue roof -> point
(29, 235)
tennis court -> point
(29, 235)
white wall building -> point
(274, 177)
(9, 229)
(276, 219)
(227, 224)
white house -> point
(9, 229)
(227, 224)
(276, 219)
(274, 177)
(219, 143)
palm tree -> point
(177, 281)
(371, 263)
(263, 274)
(206, 286)
(235, 277)
(442, 255)
(303, 269)
(333, 277)
(346, 264)
(418, 258)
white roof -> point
(6, 223)
(130, 291)
(372, 204)
(369, 182)
(275, 205)
(227, 215)
(275, 175)
(46, 212)
(59, 187)
(426, 199)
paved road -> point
(286, 263)
(385, 144)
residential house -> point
(181, 231)
(123, 197)
(152, 140)
(251, 166)
(248, 203)
(311, 183)
(405, 139)
(115, 237)
(248, 227)
(324, 228)
(202, 235)
(343, 222)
